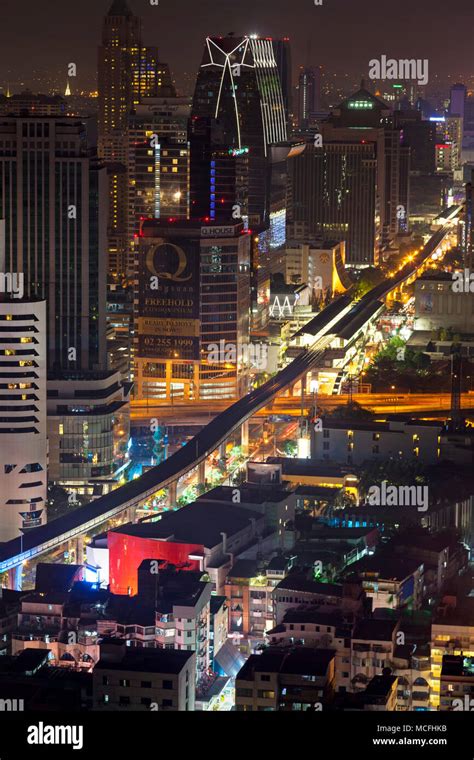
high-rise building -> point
(219, 174)
(242, 92)
(192, 294)
(309, 93)
(353, 184)
(420, 136)
(282, 53)
(41, 105)
(454, 135)
(457, 100)
(88, 431)
(468, 227)
(158, 164)
(128, 71)
(53, 194)
(23, 443)
(239, 84)
(334, 195)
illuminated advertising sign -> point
(218, 231)
(238, 151)
(32, 519)
(168, 299)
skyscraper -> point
(354, 185)
(309, 86)
(23, 443)
(128, 71)
(192, 293)
(457, 100)
(158, 164)
(53, 197)
(334, 196)
(239, 85)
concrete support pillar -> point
(222, 450)
(173, 493)
(131, 513)
(245, 437)
(79, 550)
(15, 578)
(169, 366)
(202, 472)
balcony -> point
(47, 638)
(421, 696)
(420, 666)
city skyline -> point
(347, 48)
(237, 365)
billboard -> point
(168, 299)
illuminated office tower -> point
(158, 164)
(282, 53)
(454, 135)
(309, 90)
(354, 186)
(219, 174)
(128, 71)
(239, 84)
(192, 294)
(23, 440)
(53, 197)
(53, 194)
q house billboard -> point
(168, 299)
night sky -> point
(38, 38)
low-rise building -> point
(452, 633)
(281, 680)
(372, 647)
(326, 630)
(143, 679)
(442, 554)
(200, 536)
(381, 694)
(47, 621)
(249, 589)
(391, 580)
(297, 590)
(170, 611)
(457, 683)
(353, 443)
(219, 627)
